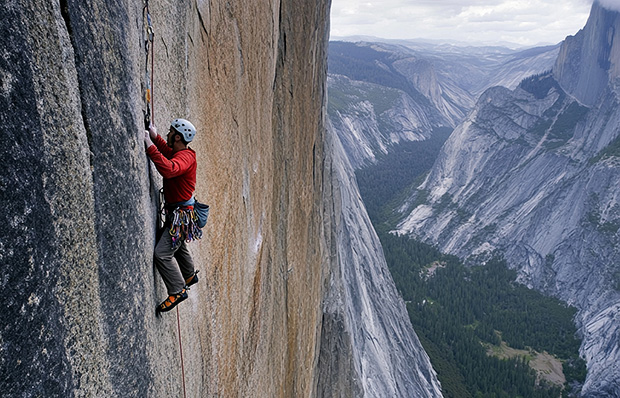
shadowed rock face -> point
(589, 61)
(80, 200)
(368, 346)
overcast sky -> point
(523, 22)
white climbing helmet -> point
(185, 128)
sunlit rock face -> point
(534, 172)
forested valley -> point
(484, 332)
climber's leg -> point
(164, 260)
(184, 259)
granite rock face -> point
(80, 197)
(590, 60)
(368, 343)
(366, 130)
(534, 172)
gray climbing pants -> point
(173, 272)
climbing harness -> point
(149, 33)
(184, 226)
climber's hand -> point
(147, 139)
(153, 131)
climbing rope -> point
(181, 350)
(149, 33)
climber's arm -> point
(170, 168)
(159, 142)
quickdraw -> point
(184, 226)
(149, 33)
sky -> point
(522, 22)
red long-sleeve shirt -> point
(177, 168)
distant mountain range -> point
(419, 40)
(381, 93)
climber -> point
(176, 162)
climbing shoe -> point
(192, 280)
(171, 301)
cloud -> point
(525, 22)
(611, 4)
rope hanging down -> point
(181, 350)
(148, 76)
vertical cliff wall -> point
(589, 61)
(368, 346)
(79, 196)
